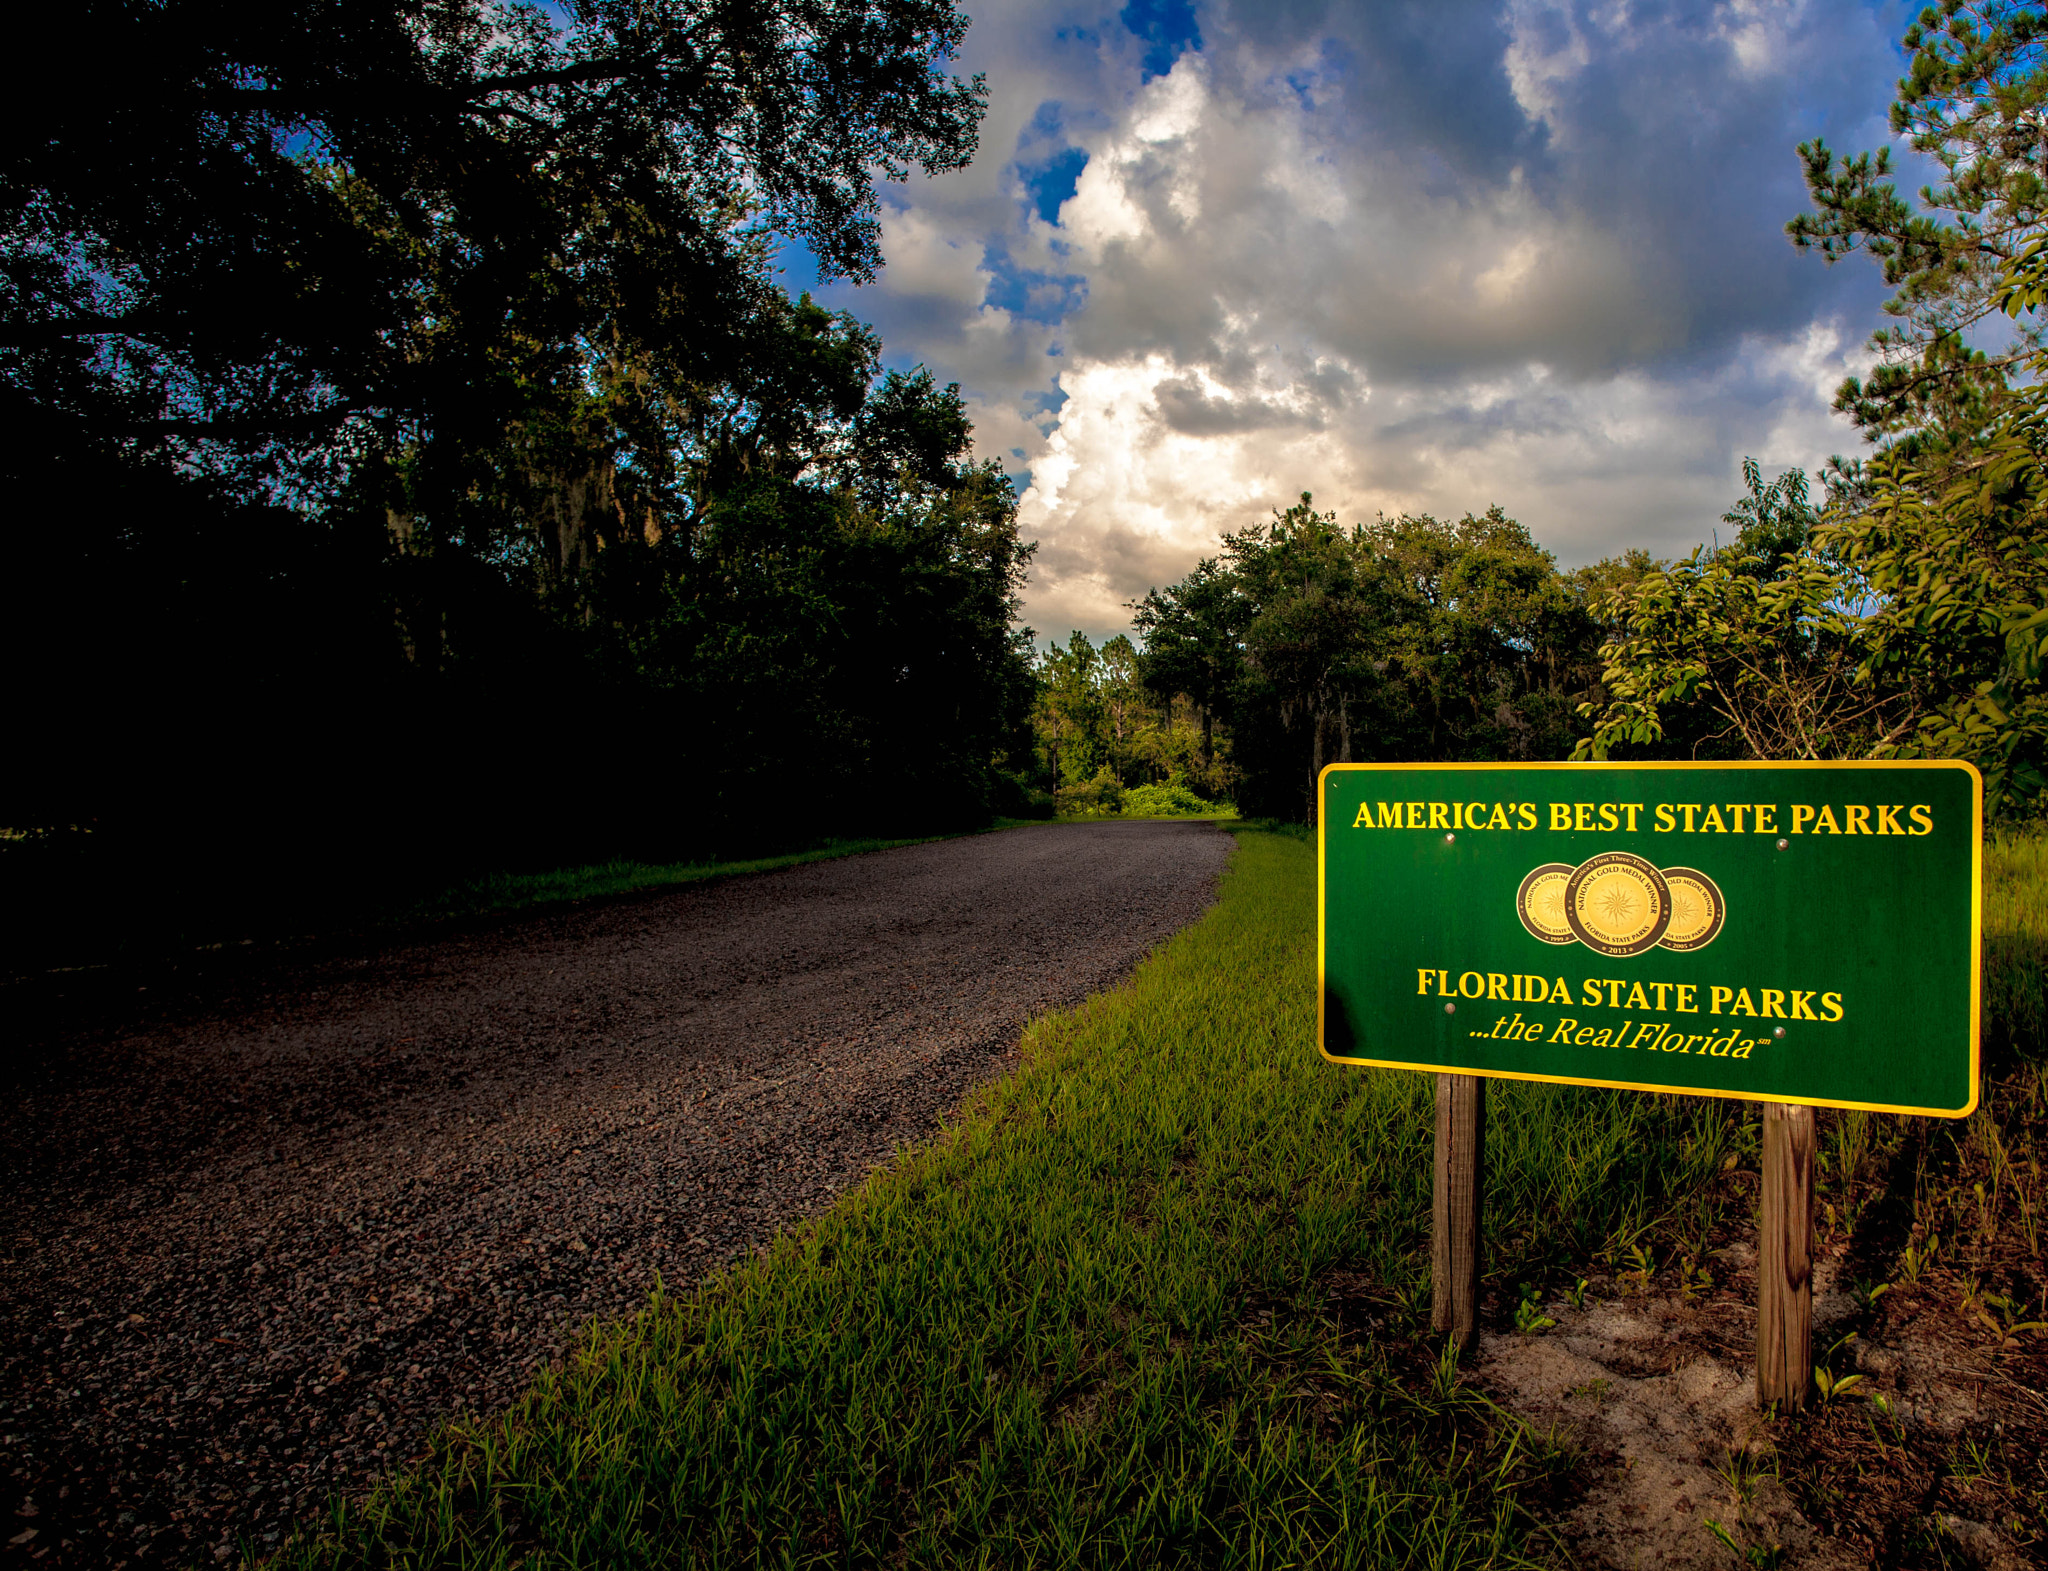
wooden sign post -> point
(1454, 1219)
(1798, 934)
(1784, 1259)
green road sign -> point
(1779, 932)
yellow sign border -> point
(1976, 927)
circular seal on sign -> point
(1697, 909)
(1617, 903)
(1540, 903)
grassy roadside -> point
(1158, 1298)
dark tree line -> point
(412, 458)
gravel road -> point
(268, 1222)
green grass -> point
(1156, 1299)
(2016, 942)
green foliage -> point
(1096, 725)
(1099, 797)
(1911, 620)
(1775, 519)
(1067, 715)
(1408, 638)
(2016, 941)
(1957, 568)
(1770, 654)
(283, 222)
(1169, 800)
(1972, 101)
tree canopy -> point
(1972, 101)
(1406, 638)
(274, 226)
(425, 457)
(1907, 617)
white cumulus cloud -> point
(1408, 256)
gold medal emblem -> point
(1617, 903)
(1540, 903)
(1697, 909)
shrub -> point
(1171, 800)
(1098, 798)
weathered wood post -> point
(1784, 1259)
(1454, 1213)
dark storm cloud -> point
(1423, 76)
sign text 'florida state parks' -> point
(1781, 932)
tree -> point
(1124, 709)
(1766, 648)
(1404, 639)
(430, 465)
(1193, 633)
(272, 223)
(1067, 716)
(1912, 622)
(1956, 569)
(1312, 633)
(1973, 101)
(1775, 519)
(1924, 577)
(1492, 646)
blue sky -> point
(1412, 255)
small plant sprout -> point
(1443, 1385)
(1576, 1294)
(1867, 1294)
(1642, 1267)
(1973, 1460)
(1831, 1385)
(1529, 1315)
(1693, 1279)
(1918, 1257)
(1999, 1313)
(1826, 1381)
(1881, 1407)
(1759, 1557)
(1742, 1470)
(1971, 1304)
(1407, 1301)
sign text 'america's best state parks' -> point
(1780, 932)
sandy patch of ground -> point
(1656, 1393)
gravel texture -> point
(270, 1219)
